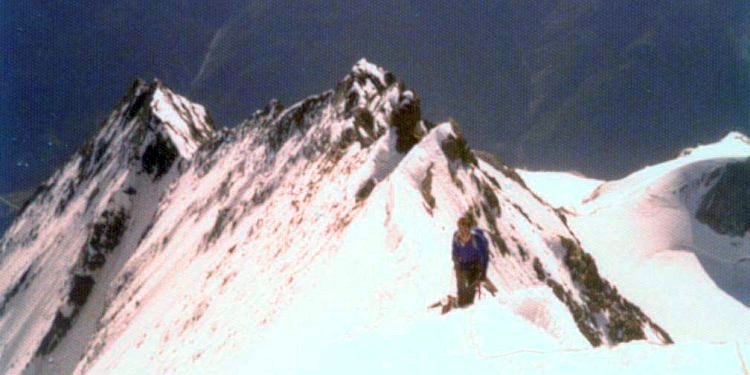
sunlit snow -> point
(305, 242)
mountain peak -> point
(364, 82)
(735, 136)
(370, 92)
(152, 127)
(365, 70)
(350, 186)
(732, 145)
(186, 124)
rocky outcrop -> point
(726, 207)
(598, 298)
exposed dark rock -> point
(493, 232)
(405, 117)
(505, 169)
(513, 175)
(456, 148)
(726, 207)
(365, 190)
(426, 189)
(490, 159)
(108, 230)
(491, 199)
(21, 283)
(226, 184)
(539, 269)
(362, 76)
(585, 321)
(57, 331)
(39, 193)
(79, 292)
(68, 193)
(222, 219)
(523, 213)
(92, 196)
(145, 232)
(351, 101)
(522, 252)
(281, 128)
(499, 242)
(105, 236)
(348, 136)
(624, 325)
(138, 104)
(390, 78)
(101, 148)
(583, 271)
(158, 157)
(272, 109)
(262, 194)
(492, 180)
(364, 120)
(626, 321)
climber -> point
(470, 259)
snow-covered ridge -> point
(188, 125)
(677, 238)
(734, 145)
(82, 223)
(180, 249)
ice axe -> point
(487, 284)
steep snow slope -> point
(61, 254)
(304, 229)
(673, 237)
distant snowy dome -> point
(674, 236)
(732, 143)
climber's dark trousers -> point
(466, 280)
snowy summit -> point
(313, 238)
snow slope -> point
(79, 229)
(306, 236)
(687, 272)
(560, 189)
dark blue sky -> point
(66, 63)
(602, 87)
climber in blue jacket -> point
(470, 259)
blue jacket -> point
(473, 252)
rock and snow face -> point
(74, 236)
(163, 247)
(676, 239)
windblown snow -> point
(313, 238)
